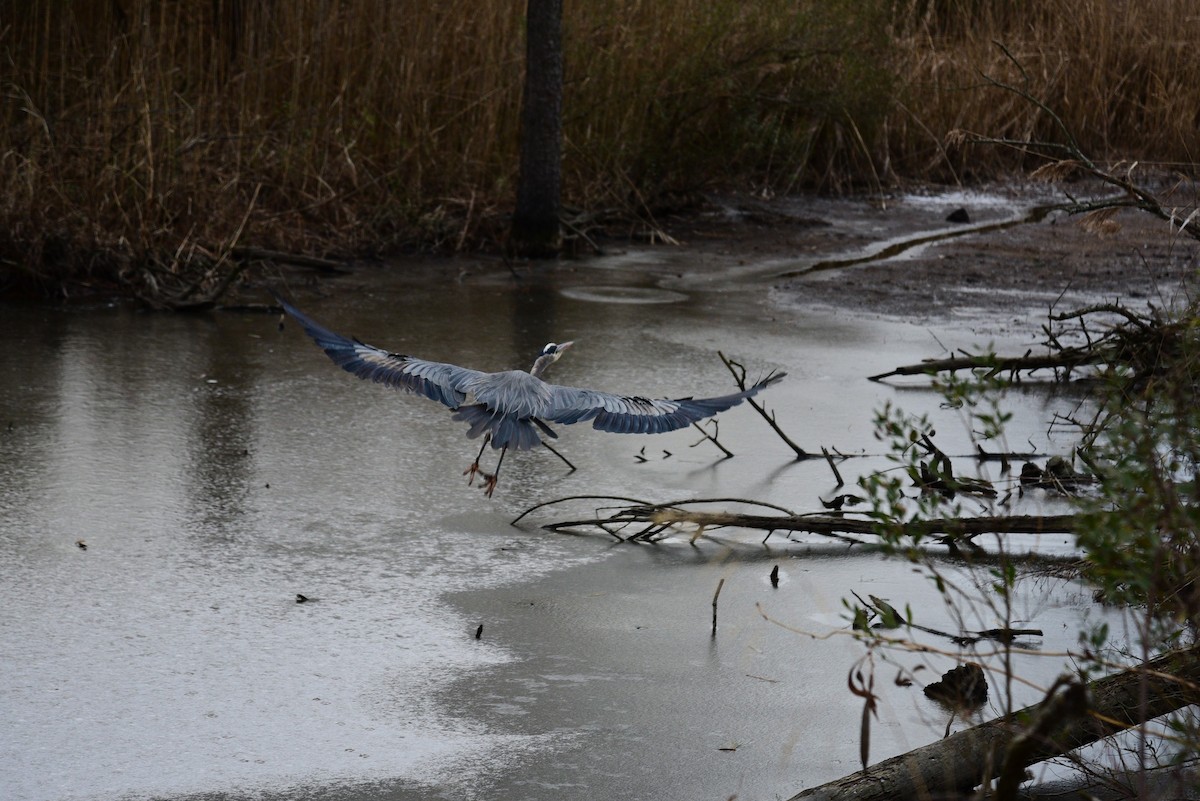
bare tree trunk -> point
(535, 226)
(1004, 747)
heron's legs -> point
(473, 468)
(566, 461)
(490, 479)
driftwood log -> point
(1003, 748)
(948, 528)
(640, 521)
(1137, 343)
(996, 365)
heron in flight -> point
(513, 408)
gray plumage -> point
(516, 407)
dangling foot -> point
(473, 468)
(490, 479)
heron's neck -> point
(540, 365)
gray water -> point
(215, 466)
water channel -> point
(169, 484)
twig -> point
(891, 618)
(833, 467)
(711, 438)
(544, 504)
(716, 594)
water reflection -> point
(221, 431)
(534, 317)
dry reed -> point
(143, 138)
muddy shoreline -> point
(998, 273)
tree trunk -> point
(535, 226)
(953, 766)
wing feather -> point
(622, 414)
(510, 403)
(446, 383)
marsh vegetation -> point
(145, 142)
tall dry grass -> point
(1123, 75)
(141, 138)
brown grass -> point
(142, 139)
(1121, 74)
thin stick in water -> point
(716, 595)
(833, 467)
(728, 453)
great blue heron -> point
(513, 406)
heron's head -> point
(556, 349)
(550, 354)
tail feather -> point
(507, 431)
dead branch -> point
(738, 372)
(829, 525)
(544, 504)
(648, 522)
(1134, 349)
(832, 466)
(890, 618)
(713, 439)
(997, 365)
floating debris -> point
(963, 687)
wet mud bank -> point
(1016, 255)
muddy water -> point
(215, 467)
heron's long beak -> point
(564, 345)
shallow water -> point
(215, 467)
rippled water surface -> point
(215, 466)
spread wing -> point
(445, 383)
(626, 415)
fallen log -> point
(647, 522)
(995, 365)
(947, 528)
(1138, 343)
(1080, 715)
